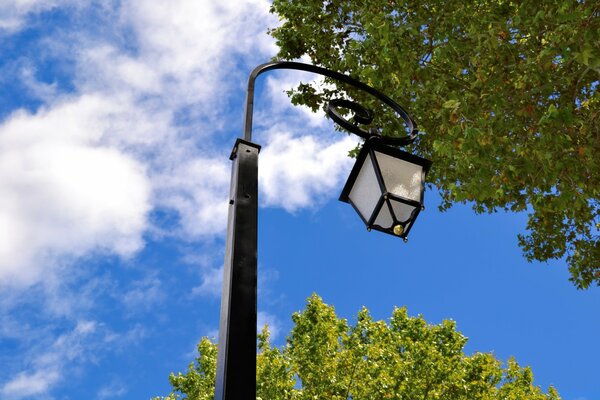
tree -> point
(326, 358)
(504, 92)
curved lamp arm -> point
(361, 114)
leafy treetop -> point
(505, 92)
(326, 358)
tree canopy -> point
(327, 358)
(504, 92)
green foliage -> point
(505, 92)
(327, 359)
(199, 382)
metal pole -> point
(236, 359)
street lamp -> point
(385, 187)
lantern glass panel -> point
(366, 192)
(401, 177)
(384, 218)
(402, 211)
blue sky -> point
(116, 122)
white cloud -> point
(143, 295)
(64, 193)
(188, 35)
(30, 384)
(13, 13)
(46, 361)
(112, 391)
(120, 342)
(193, 45)
(106, 68)
(198, 189)
(212, 283)
(47, 367)
(277, 87)
(296, 172)
(40, 90)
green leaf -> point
(451, 104)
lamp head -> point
(386, 187)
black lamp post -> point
(385, 187)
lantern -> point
(386, 187)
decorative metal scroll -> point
(361, 115)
